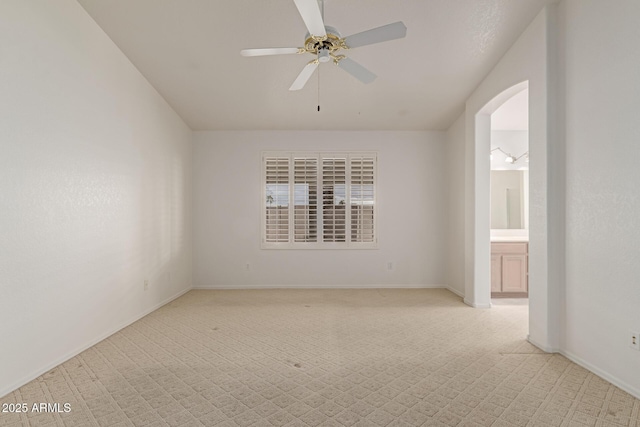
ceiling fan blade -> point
(356, 70)
(304, 75)
(310, 12)
(269, 51)
(397, 30)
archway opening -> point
(509, 201)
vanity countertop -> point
(508, 239)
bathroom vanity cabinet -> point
(509, 269)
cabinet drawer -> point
(509, 248)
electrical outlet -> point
(391, 265)
(247, 267)
(146, 284)
(634, 340)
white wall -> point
(227, 212)
(528, 63)
(600, 51)
(456, 172)
(95, 189)
(581, 60)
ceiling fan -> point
(325, 42)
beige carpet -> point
(324, 358)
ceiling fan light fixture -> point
(323, 55)
(510, 159)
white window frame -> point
(319, 244)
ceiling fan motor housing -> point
(329, 44)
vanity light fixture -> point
(525, 155)
(511, 159)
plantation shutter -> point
(362, 198)
(305, 178)
(276, 199)
(334, 200)
(319, 200)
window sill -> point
(319, 246)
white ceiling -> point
(189, 51)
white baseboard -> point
(635, 392)
(30, 377)
(544, 348)
(476, 305)
(328, 286)
(455, 291)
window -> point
(319, 200)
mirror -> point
(509, 199)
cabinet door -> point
(496, 273)
(514, 273)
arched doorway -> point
(545, 259)
(479, 270)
